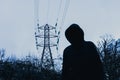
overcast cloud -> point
(96, 17)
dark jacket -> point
(80, 60)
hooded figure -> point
(81, 60)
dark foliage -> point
(110, 56)
(26, 69)
(29, 67)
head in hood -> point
(74, 34)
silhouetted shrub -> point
(26, 69)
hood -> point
(74, 34)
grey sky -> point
(96, 17)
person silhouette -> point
(81, 60)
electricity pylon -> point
(45, 32)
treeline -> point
(25, 69)
(109, 50)
(29, 67)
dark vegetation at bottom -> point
(25, 70)
(29, 67)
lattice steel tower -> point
(48, 36)
(45, 32)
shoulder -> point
(92, 47)
(90, 44)
(67, 50)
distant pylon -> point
(45, 33)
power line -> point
(59, 8)
(36, 13)
(46, 58)
(63, 19)
(48, 11)
(65, 12)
